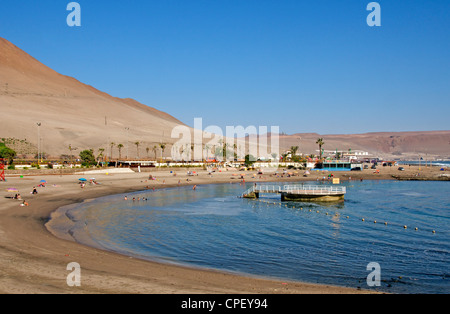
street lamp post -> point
(128, 135)
(39, 140)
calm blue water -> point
(212, 228)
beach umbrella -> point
(82, 179)
(42, 181)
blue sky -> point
(306, 66)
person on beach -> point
(34, 190)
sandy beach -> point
(34, 260)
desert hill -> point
(71, 113)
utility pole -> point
(71, 155)
(70, 152)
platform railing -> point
(297, 189)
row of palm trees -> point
(112, 145)
(162, 147)
(319, 141)
(294, 149)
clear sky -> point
(306, 66)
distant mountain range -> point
(78, 115)
(403, 145)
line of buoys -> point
(386, 223)
(337, 215)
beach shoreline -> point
(35, 261)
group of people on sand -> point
(34, 191)
(19, 197)
(136, 199)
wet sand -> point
(34, 260)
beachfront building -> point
(346, 154)
(338, 165)
(356, 155)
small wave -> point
(416, 194)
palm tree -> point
(100, 155)
(320, 142)
(294, 150)
(162, 146)
(137, 148)
(147, 149)
(155, 149)
(112, 146)
(120, 146)
(207, 148)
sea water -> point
(402, 226)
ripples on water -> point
(211, 227)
